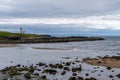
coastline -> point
(20, 38)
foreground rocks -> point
(41, 71)
(74, 70)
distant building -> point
(22, 31)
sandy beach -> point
(7, 45)
(113, 62)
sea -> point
(25, 54)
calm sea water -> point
(26, 55)
(109, 46)
(24, 52)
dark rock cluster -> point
(46, 39)
(40, 70)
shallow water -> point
(26, 55)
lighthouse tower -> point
(21, 30)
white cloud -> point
(5, 5)
(93, 22)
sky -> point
(61, 17)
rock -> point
(72, 78)
(118, 75)
(66, 68)
(36, 74)
(76, 69)
(44, 77)
(111, 76)
(80, 78)
(92, 78)
(108, 68)
(5, 78)
(87, 74)
(41, 64)
(52, 66)
(68, 63)
(31, 69)
(27, 76)
(74, 74)
(63, 73)
(50, 71)
(60, 66)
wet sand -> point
(45, 48)
(7, 45)
(113, 62)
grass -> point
(4, 34)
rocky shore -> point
(41, 71)
(47, 39)
(107, 61)
(8, 37)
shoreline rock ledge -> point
(47, 39)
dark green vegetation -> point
(8, 37)
(9, 34)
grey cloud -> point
(58, 8)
